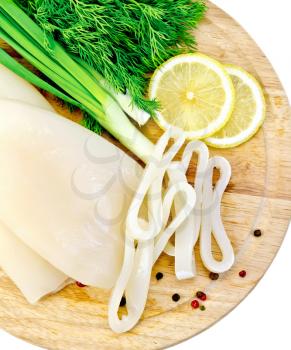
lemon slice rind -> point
(258, 119)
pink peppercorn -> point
(195, 304)
(79, 284)
(201, 295)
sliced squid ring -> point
(211, 218)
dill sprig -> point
(91, 123)
(122, 39)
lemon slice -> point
(249, 111)
(195, 93)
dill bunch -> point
(123, 40)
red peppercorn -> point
(81, 285)
(201, 295)
(242, 273)
(195, 304)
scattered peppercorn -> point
(213, 276)
(202, 307)
(159, 276)
(242, 273)
(195, 304)
(81, 285)
(201, 295)
(122, 302)
(257, 233)
(175, 297)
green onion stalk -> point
(74, 81)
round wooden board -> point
(257, 197)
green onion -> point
(32, 78)
(76, 84)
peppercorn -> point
(159, 276)
(122, 302)
(202, 307)
(195, 304)
(175, 297)
(242, 273)
(201, 295)
(81, 285)
(257, 233)
(213, 276)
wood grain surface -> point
(258, 196)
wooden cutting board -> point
(258, 196)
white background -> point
(263, 319)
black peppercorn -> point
(213, 276)
(257, 233)
(176, 297)
(159, 276)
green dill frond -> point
(91, 123)
(123, 40)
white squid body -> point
(63, 192)
(13, 87)
(64, 196)
(32, 274)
